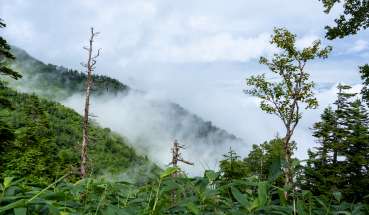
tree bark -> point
(90, 68)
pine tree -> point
(356, 153)
(5, 56)
(340, 163)
(232, 167)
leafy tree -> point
(354, 18)
(5, 55)
(292, 91)
(364, 71)
(261, 158)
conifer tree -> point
(6, 132)
(5, 56)
(356, 151)
(340, 163)
(232, 166)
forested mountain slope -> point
(57, 82)
(42, 142)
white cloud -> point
(217, 47)
(359, 46)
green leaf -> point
(16, 204)
(7, 182)
(20, 211)
(211, 175)
(282, 196)
(169, 171)
(193, 208)
(262, 193)
(338, 196)
(241, 198)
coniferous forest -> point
(41, 141)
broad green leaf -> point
(337, 196)
(241, 198)
(20, 211)
(169, 171)
(7, 182)
(262, 193)
(282, 196)
(211, 175)
(16, 204)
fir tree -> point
(232, 167)
(340, 163)
(6, 55)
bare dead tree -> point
(90, 67)
(177, 156)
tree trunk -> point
(288, 177)
(90, 68)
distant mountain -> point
(57, 82)
(148, 123)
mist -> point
(152, 124)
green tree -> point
(354, 18)
(356, 152)
(6, 132)
(364, 71)
(6, 55)
(262, 157)
(292, 91)
(232, 167)
(340, 163)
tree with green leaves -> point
(5, 56)
(292, 91)
(262, 158)
(364, 71)
(354, 18)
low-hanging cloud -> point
(151, 125)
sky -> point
(197, 53)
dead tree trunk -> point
(176, 157)
(90, 67)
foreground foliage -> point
(167, 195)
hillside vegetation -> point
(46, 138)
